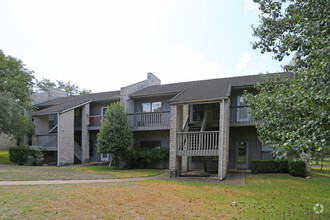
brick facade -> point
(66, 138)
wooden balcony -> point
(240, 116)
(150, 121)
(47, 141)
(205, 143)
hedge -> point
(24, 154)
(145, 157)
(19, 154)
(269, 166)
(297, 168)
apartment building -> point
(204, 124)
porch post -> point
(224, 121)
(185, 115)
(176, 126)
(85, 133)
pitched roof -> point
(203, 90)
(61, 104)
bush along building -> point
(203, 124)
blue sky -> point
(104, 45)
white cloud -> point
(243, 61)
(266, 55)
(184, 64)
(249, 4)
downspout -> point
(58, 139)
(222, 136)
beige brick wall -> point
(126, 91)
(6, 142)
(66, 138)
(42, 124)
(176, 126)
(225, 156)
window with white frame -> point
(151, 107)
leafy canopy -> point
(294, 113)
(70, 89)
(115, 136)
(16, 83)
(16, 79)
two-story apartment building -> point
(204, 124)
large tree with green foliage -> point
(70, 89)
(115, 136)
(16, 83)
(294, 113)
(16, 79)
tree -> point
(16, 83)
(12, 119)
(321, 154)
(70, 89)
(294, 113)
(115, 136)
(16, 79)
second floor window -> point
(151, 107)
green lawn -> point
(326, 162)
(265, 196)
(16, 172)
(4, 157)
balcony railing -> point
(47, 141)
(240, 116)
(150, 121)
(95, 120)
(205, 143)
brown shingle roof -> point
(61, 104)
(203, 90)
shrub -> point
(145, 157)
(19, 154)
(269, 166)
(297, 168)
(36, 156)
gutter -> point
(222, 136)
(199, 101)
(58, 139)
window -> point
(146, 107)
(243, 112)
(103, 110)
(266, 152)
(197, 112)
(150, 144)
(151, 107)
(52, 121)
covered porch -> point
(199, 130)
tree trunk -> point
(322, 162)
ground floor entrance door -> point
(242, 152)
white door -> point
(242, 152)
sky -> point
(103, 45)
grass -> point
(326, 162)
(4, 157)
(15, 172)
(265, 196)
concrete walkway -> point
(232, 178)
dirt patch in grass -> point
(155, 199)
